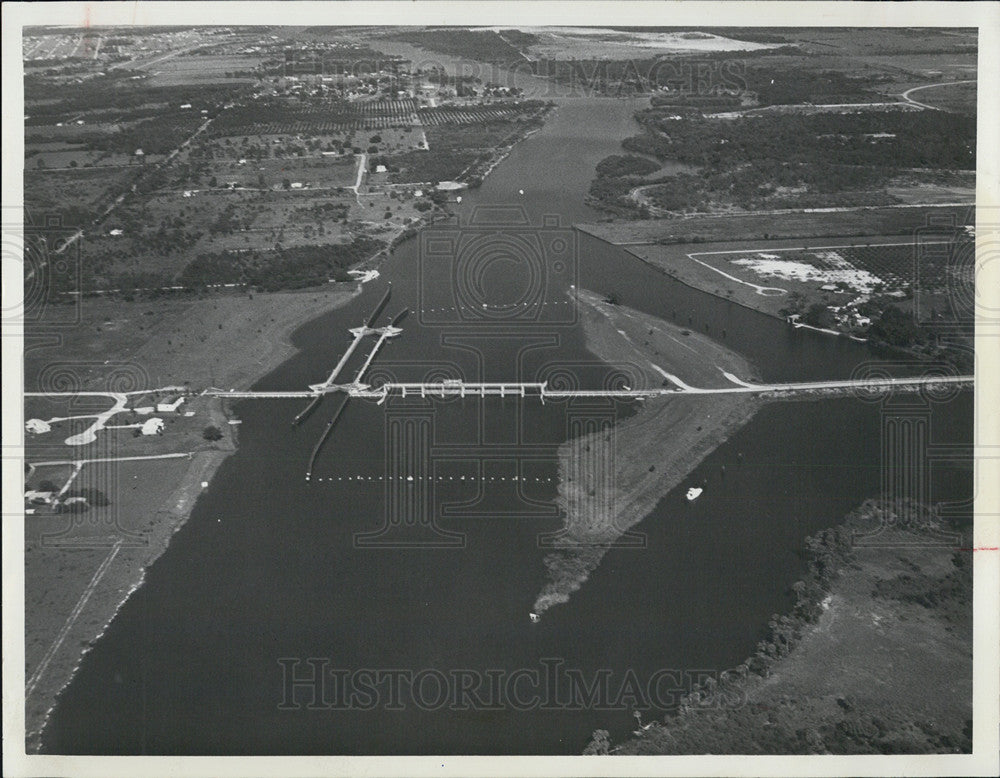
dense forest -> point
(787, 161)
(115, 93)
(283, 268)
(482, 45)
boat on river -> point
(694, 493)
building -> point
(37, 426)
(152, 426)
(38, 498)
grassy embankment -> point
(644, 467)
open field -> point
(204, 68)
(226, 340)
(78, 196)
(852, 222)
(596, 43)
(330, 146)
(75, 576)
(159, 240)
(311, 172)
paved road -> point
(111, 459)
(908, 92)
(739, 386)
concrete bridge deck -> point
(520, 389)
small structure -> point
(144, 410)
(381, 169)
(37, 426)
(170, 405)
(152, 426)
(116, 232)
(38, 498)
(296, 184)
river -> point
(271, 571)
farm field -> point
(204, 68)
(77, 195)
(151, 242)
(312, 172)
(712, 228)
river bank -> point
(876, 656)
(611, 478)
(79, 574)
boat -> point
(534, 617)
(694, 493)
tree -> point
(600, 743)
(896, 328)
(817, 315)
(286, 183)
(211, 432)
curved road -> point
(908, 92)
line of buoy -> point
(411, 478)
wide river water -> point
(271, 571)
